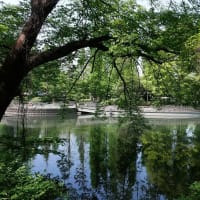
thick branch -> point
(14, 68)
(39, 12)
(59, 52)
(20, 51)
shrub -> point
(20, 184)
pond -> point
(104, 160)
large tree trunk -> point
(12, 73)
(8, 89)
(20, 59)
(15, 68)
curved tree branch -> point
(59, 52)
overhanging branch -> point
(59, 52)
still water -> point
(107, 160)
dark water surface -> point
(102, 160)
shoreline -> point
(167, 111)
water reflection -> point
(170, 154)
(102, 160)
(113, 161)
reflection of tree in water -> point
(16, 144)
(172, 159)
(113, 162)
(195, 164)
(80, 175)
(22, 143)
(126, 162)
(80, 190)
(98, 152)
(65, 162)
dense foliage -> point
(171, 156)
(16, 179)
(20, 184)
(150, 54)
(153, 52)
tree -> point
(164, 153)
(125, 30)
(21, 59)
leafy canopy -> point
(163, 40)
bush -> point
(194, 192)
(20, 184)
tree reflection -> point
(80, 176)
(113, 161)
(15, 144)
(22, 143)
(65, 163)
(172, 158)
(126, 163)
(194, 169)
(98, 151)
(103, 161)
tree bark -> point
(20, 60)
